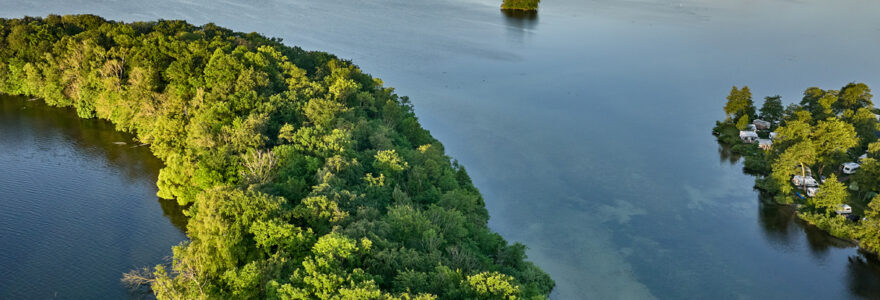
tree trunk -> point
(804, 179)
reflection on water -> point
(174, 213)
(862, 275)
(777, 221)
(77, 206)
(726, 154)
(785, 232)
(519, 23)
(520, 19)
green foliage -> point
(389, 161)
(831, 194)
(867, 175)
(743, 122)
(526, 5)
(757, 164)
(870, 231)
(793, 161)
(492, 286)
(835, 225)
(772, 109)
(739, 104)
(305, 178)
(832, 139)
(727, 133)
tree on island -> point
(739, 108)
(832, 138)
(870, 233)
(772, 109)
(526, 5)
(796, 159)
(830, 195)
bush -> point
(835, 225)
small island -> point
(821, 155)
(521, 5)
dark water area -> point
(76, 210)
(587, 125)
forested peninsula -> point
(822, 155)
(302, 176)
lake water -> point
(76, 210)
(587, 126)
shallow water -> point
(587, 126)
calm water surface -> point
(587, 125)
(76, 210)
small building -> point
(751, 127)
(849, 168)
(843, 209)
(800, 181)
(773, 135)
(765, 144)
(748, 136)
(761, 124)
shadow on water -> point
(96, 137)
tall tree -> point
(832, 138)
(855, 95)
(831, 194)
(794, 160)
(772, 109)
(739, 104)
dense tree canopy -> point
(304, 177)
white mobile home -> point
(811, 191)
(751, 127)
(843, 209)
(849, 168)
(800, 181)
(761, 124)
(748, 136)
(765, 144)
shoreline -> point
(718, 132)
